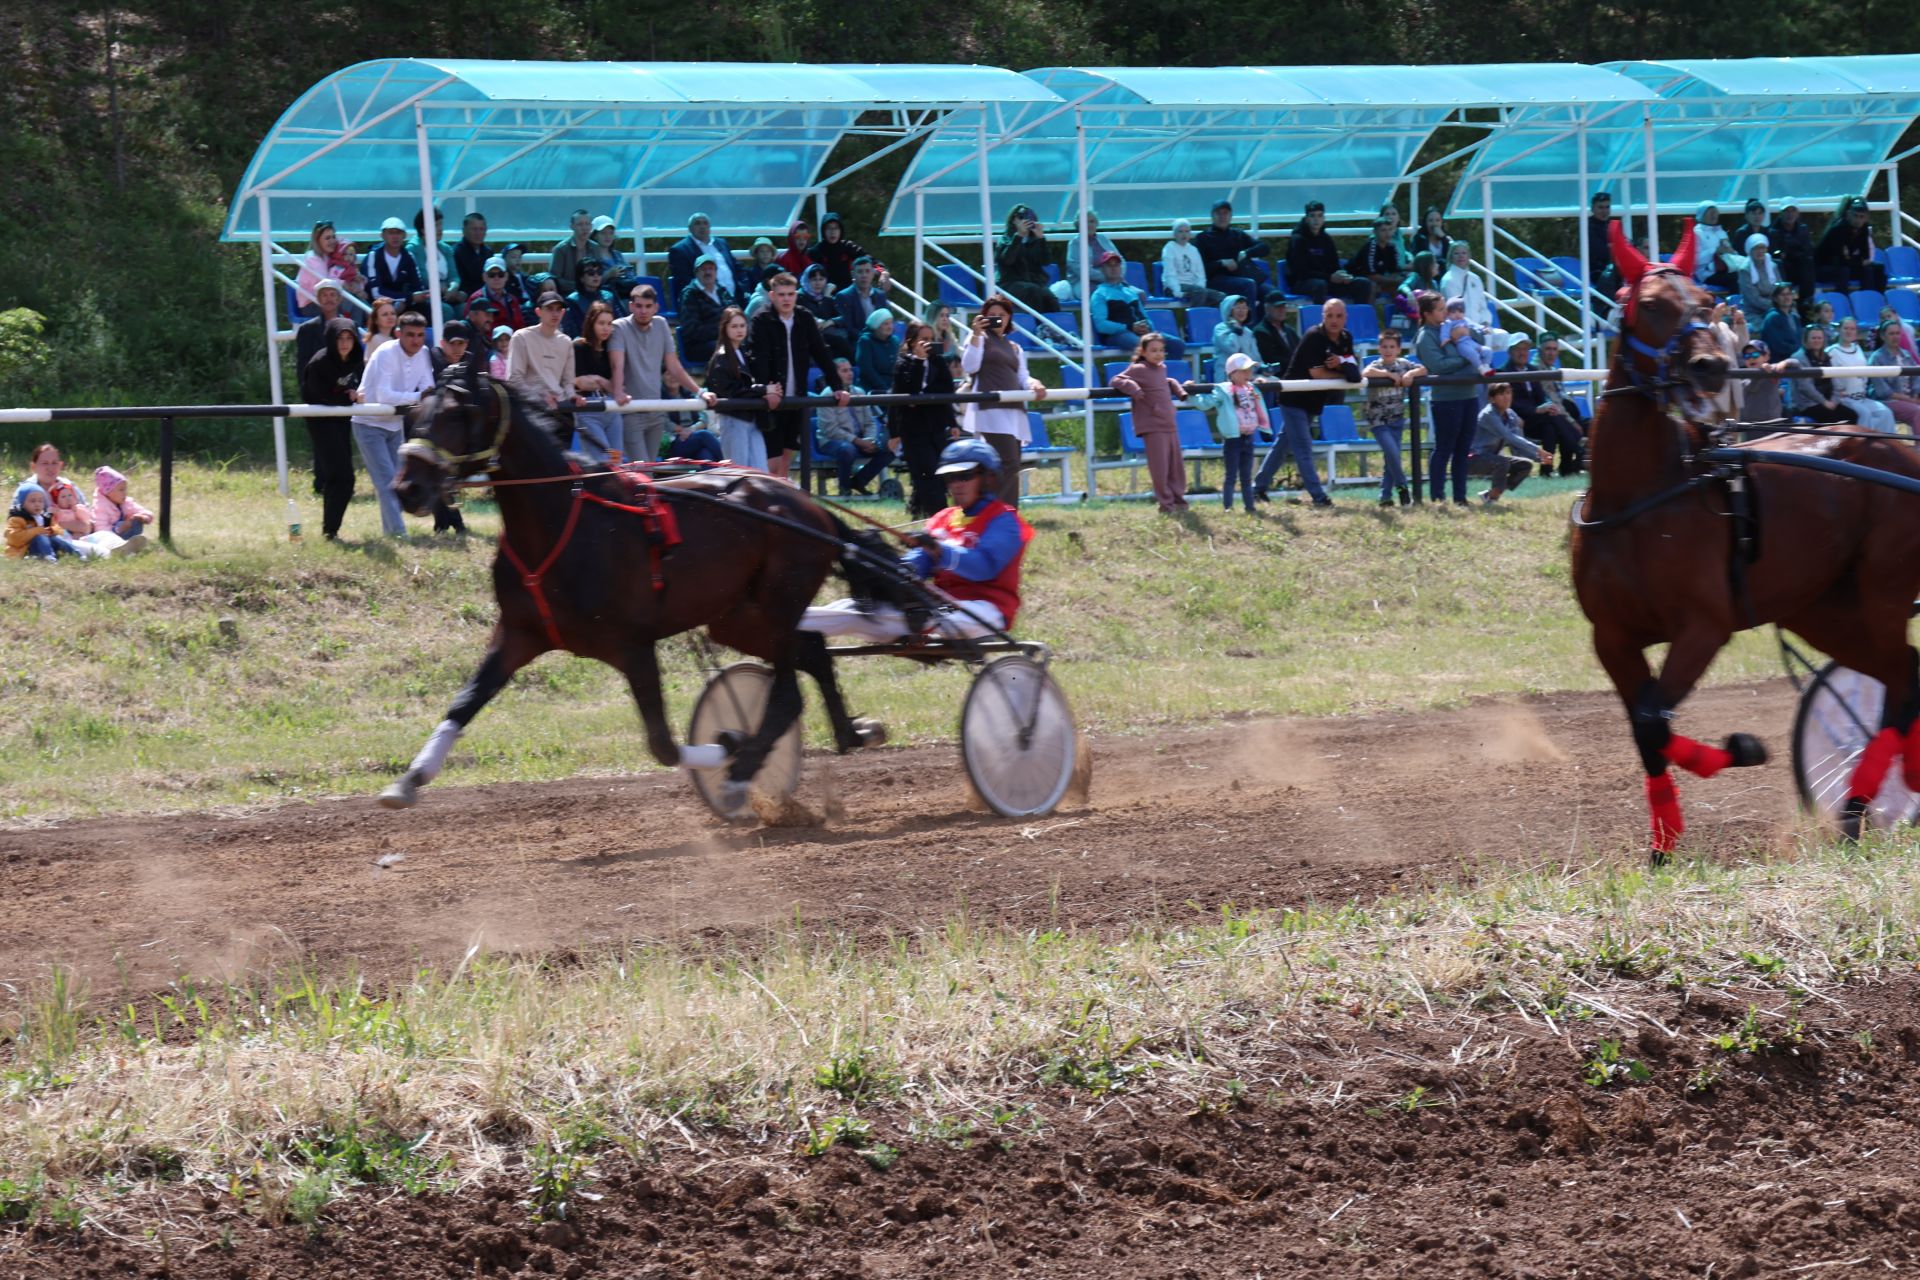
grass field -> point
(240, 668)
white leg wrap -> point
(426, 765)
(708, 756)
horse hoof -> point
(1747, 751)
(734, 798)
(402, 793)
(869, 733)
(1658, 858)
(1853, 819)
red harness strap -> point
(657, 519)
(532, 581)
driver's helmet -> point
(965, 455)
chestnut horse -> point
(596, 567)
(1837, 561)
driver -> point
(971, 550)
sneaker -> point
(1260, 495)
(1461, 502)
(138, 542)
(1323, 502)
(1387, 503)
(1406, 499)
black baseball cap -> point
(481, 304)
(550, 299)
(453, 329)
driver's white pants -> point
(879, 623)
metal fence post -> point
(1413, 444)
(166, 480)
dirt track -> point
(1255, 811)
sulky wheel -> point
(1017, 738)
(1839, 714)
(732, 703)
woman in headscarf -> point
(1711, 246)
(331, 377)
(1758, 279)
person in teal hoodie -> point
(878, 351)
(1120, 313)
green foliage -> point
(1091, 1055)
(1607, 1066)
(853, 1075)
(852, 1132)
(556, 1169)
(351, 1154)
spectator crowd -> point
(777, 322)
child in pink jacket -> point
(113, 510)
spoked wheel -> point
(1839, 714)
(1017, 738)
(732, 703)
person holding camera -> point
(1020, 265)
(996, 363)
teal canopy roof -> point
(1805, 130)
(528, 142)
(1165, 143)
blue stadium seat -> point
(1569, 271)
(1136, 275)
(1903, 263)
(1532, 275)
(1905, 303)
(958, 287)
(1337, 425)
(1129, 442)
(1067, 323)
(1363, 322)
(1866, 305)
(1200, 322)
(1053, 274)
(1279, 269)
(1309, 316)
(293, 308)
(1196, 431)
(1177, 369)
(1842, 308)
(1157, 287)
(1164, 322)
(1042, 441)
(1180, 370)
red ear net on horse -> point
(1683, 257)
(1630, 262)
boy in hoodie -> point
(1119, 310)
(1182, 272)
(795, 260)
(835, 252)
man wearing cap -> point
(540, 359)
(1276, 334)
(471, 254)
(563, 267)
(1229, 254)
(590, 291)
(700, 242)
(972, 550)
(700, 308)
(310, 335)
(645, 365)
(391, 270)
(1325, 353)
(497, 297)
(399, 373)
(1120, 312)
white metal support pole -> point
(1653, 199)
(986, 214)
(1580, 216)
(268, 289)
(429, 236)
(1416, 221)
(1623, 205)
(920, 248)
(1893, 205)
(1486, 231)
(1085, 285)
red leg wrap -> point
(1696, 757)
(1663, 799)
(1873, 766)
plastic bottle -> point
(293, 521)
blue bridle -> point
(1661, 379)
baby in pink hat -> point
(115, 512)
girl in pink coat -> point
(113, 510)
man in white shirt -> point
(399, 373)
(645, 364)
(540, 359)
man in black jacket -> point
(1600, 270)
(1542, 418)
(1792, 242)
(1277, 335)
(1229, 254)
(784, 346)
(471, 254)
(1313, 261)
(1325, 352)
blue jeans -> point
(51, 546)
(1452, 442)
(1295, 439)
(1237, 453)
(1387, 436)
(744, 442)
(847, 456)
(380, 453)
(597, 433)
(698, 445)
(128, 529)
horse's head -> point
(456, 429)
(1667, 328)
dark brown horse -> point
(1837, 561)
(590, 565)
